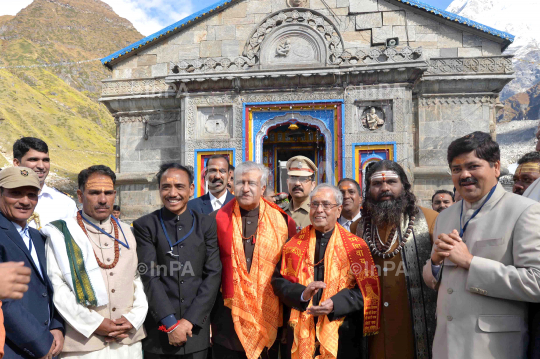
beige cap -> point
(15, 177)
(301, 166)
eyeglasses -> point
(325, 205)
(301, 179)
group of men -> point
(335, 274)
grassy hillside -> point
(50, 97)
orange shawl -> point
(255, 309)
(348, 261)
(2, 332)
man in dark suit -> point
(33, 328)
(217, 177)
(179, 249)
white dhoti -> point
(112, 351)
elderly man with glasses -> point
(301, 181)
(328, 277)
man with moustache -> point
(301, 173)
(441, 200)
(486, 259)
(399, 234)
(328, 277)
(251, 233)
(179, 255)
(92, 263)
(352, 202)
(527, 172)
(34, 328)
(52, 205)
(217, 177)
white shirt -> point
(217, 203)
(25, 235)
(345, 223)
(53, 205)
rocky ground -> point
(516, 138)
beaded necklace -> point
(116, 245)
(381, 249)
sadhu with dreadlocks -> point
(399, 234)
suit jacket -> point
(185, 285)
(203, 204)
(482, 312)
(28, 321)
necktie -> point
(25, 232)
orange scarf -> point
(348, 262)
(256, 311)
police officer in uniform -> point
(301, 173)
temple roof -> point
(210, 10)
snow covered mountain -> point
(519, 18)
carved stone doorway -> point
(287, 140)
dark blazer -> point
(203, 204)
(28, 321)
(185, 286)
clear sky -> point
(149, 16)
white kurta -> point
(112, 351)
(86, 321)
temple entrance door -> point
(288, 140)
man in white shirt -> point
(217, 177)
(52, 204)
(352, 202)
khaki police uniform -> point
(300, 166)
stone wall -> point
(362, 24)
(187, 91)
(148, 140)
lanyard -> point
(464, 228)
(167, 235)
(107, 234)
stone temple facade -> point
(344, 82)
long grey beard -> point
(386, 213)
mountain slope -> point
(518, 17)
(45, 93)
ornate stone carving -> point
(215, 125)
(148, 117)
(371, 119)
(297, 3)
(134, 87)
(283, 48)
(457, 100)
(241, 64)
(374, 56)
(293, 46)
(319, 23)
(502, 65)
(214, 122)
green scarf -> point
(81, 282)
